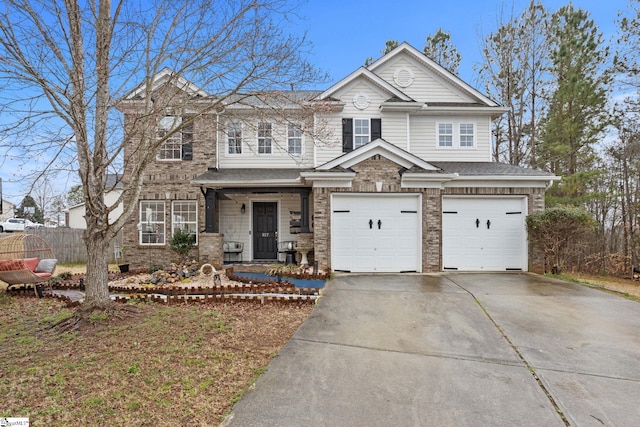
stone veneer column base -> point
(210, 247)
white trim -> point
(172, 226)
(455, 135)
(524, 200)
(365, 73)
(379, 146)
(368, 134)
(419, 227)
(161, 78)
(302, 139)
(443, 72)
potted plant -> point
(122, 265)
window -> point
(466, 135)
(445, 135)
(234, 138)
(456, 135)
(185, 217)
(294, 134)
(176, 146)
(358, 132)
(151, 225)
(361, 133)
(264, 138)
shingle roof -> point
(488, 168)
(246, 176)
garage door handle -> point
(477, 223)
(488, 224)
(370, 223)
(379, 224)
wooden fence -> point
(68, 245)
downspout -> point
(315, 151)
(408, 133)
(216, 142)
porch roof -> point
(489, 168)
(242, 178)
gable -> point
(163, 81)
(414, 73)
(379, 147)
(421, 83)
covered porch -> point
(257, 215)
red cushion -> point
(11, 265)
(43, 275)
(31, 263)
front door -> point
(265, 230)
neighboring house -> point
(74, 217)
(393, 173)
(8, 210)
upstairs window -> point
(177, 144)
(234, 138)
(294, 139)
(466, 134)
(151, 226)
(456, 135)
(359, 132)
(445, 135)
(264, 138)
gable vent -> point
(403, 77)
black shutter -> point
(347, 135)
(376, 129)
(187, 151)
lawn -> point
(142, 365)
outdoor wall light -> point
(243, 209)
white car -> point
(17, 224)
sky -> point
(344, 33)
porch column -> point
(304, 211)
(210, 223)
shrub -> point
(181, 243)
(557, 231)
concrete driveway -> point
(455, 350)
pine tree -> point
(441, 49)
(576, 114)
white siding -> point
(328, 143)
(279, 157)
(376, 97)
(77, 213)
(237, 226)
(424, 139)
(394, 129)
(427, 86)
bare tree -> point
(515, 57)
(65, 64)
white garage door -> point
(484, 234)
(375, 233)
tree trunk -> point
(97, 280)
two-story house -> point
(388, 170)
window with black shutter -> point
(376, 129)
(347, 135)
(361, 130)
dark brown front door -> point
(265, 230)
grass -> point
(164, 366)
(626, 288)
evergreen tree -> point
(576, 113)
(627, 57)
(441, 49)
(29, 210)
